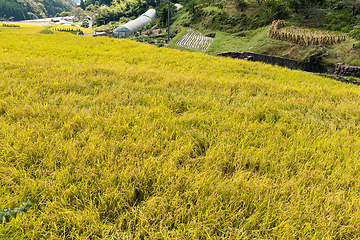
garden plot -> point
(194, 40)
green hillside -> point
(242, 25)
(114, 139)
(12, 10)
(32, 9)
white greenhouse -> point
(132, 27)
(178, 6)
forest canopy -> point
(16, 10)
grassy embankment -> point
(113, 138)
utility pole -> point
(156, 8)
(168, 40)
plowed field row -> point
(194, 40)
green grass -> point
(252, 40)
(115, 139)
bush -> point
(46, 31)
(355, 33)
(275, 9)
(345, 29)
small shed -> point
(132, 27)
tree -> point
(162, 11)
(301, 5)
(275, 9)
(240, 4)
(353, 5)
(192, 7)
(77, 12)
(82, 4)
(296, 5)
(255, 3)
(65, 14)
(13, 9)
(221, 5)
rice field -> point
(195, 40)
(114, 139)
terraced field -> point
(103, 138)
(193, 39)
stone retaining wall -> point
(257, 57)
(346, 70)
(310, 66)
